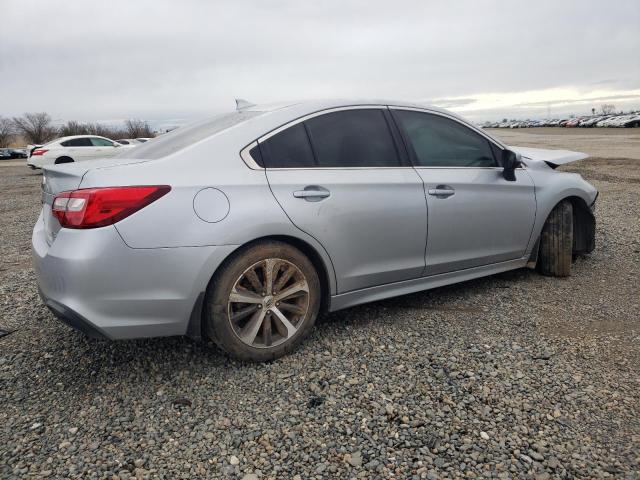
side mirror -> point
(510, 161)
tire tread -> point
(556, 242)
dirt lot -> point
(512, 376)
(598, 142)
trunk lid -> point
(30, 148)
(56, 179)
(65, 177)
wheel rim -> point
(268, 303)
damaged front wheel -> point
(556, 242)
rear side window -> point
(288, 149)
(348, 138)
(77, 142)
(101, 142)
(352, 138)
(441, 142)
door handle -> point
(442, 191)
(312, 193)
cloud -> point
(161, 59)
(451, 102)
(587, 99)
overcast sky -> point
(172, 61)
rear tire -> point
(63, 160)
(280, 308)
(556, 242)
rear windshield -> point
(188, 135)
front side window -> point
(441, 142)
(352, 138)
(77, 142)
(101, 142)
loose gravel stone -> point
(355, 459)
(548, 369)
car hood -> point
(553, 158)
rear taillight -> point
(39, 151)
(97, 207)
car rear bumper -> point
(93, 281)
(71, 318)
(36, 162)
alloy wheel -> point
(268, 303)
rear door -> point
(476, 217)
(77, 148)
(341, 177)
(103, 147)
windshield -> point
(188, 135)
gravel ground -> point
(512, 376)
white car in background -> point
(73, 149)
(129, 141)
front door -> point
(476, 217)
(339, 178)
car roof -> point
(272, 115)
(297, 109)
(324, 104)
(62, 139)
(259, 120)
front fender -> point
(552, 187)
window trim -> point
(77, 146)
(405, 163)
(455, 119)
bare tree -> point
(608, 108)
(7, 132)
(72, 127)
(35, 127)
(136, 128)
(114, 133)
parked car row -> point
(77, 148)
(10, 153)
(619, 120)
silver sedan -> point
(243, 227)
